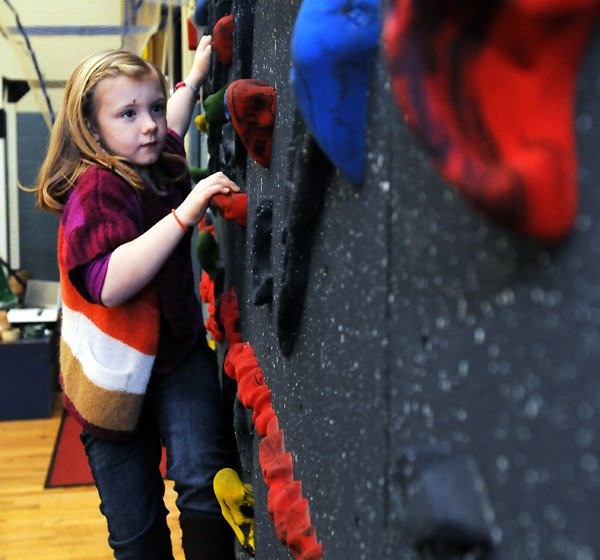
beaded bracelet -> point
(181, 224)
(195, 89)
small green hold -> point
(207, 252)
(214, 108)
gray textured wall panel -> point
(495, 352)
(443, 381)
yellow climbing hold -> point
(237, 505)
(201, 123)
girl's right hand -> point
(192, 209)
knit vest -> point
(106, 355)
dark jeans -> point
(183, 410)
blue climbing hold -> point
(334, 45)
(200, 15)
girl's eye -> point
(128, 114)
(159, 108)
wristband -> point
(181, 224)
(195, 89)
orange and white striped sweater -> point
(106, 354)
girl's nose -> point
(149, 124)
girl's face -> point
(130, 118)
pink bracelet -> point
(195, 89)
(181, 224)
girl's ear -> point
(93, 130)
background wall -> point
(38, 230)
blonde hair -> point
(72, 147)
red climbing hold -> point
(249, 391)
(262, 416)
(233, 206)
(251, 105)
(229, 316)
(223, 39)
(229, 364)
(213, 327)
(207, 288)
(489, 86)
(207, 294)
(279, 470)
(192, 35)
(285, 503)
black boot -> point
(206, 538)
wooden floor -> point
(53, 524)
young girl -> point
(136, 369)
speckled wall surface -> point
(495, 345)
(330, 393)
(430, 337)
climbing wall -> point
(438, 390)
